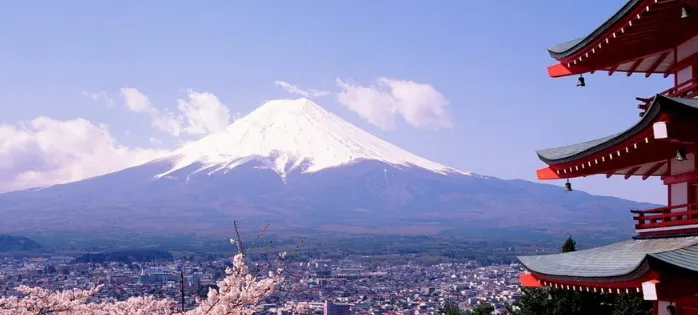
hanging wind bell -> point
(671, 309)
(685, 11)
(681, 154)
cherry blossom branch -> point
(238, 293)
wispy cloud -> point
(138, 102)
(419, 104)
(203, 113)
(198, 113)
(46, 151)
(100, 96)
(309, 93)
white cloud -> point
(199, 113)
(309, 93)
(100, 96)
(45, 152)
(167, 122)
(371, 103)
(203, 113)
(137, 101)
(420, 105)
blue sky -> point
(487, 58)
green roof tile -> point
(615, 260)
(686, 257)
(568, 48)
(576, 151)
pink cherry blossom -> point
(238, 294)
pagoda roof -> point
(565, 153)
(641, 37)
(578, 151)
(686, 257)
(627, 259)
(569, 48)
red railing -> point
(672, 216)
(688, 88)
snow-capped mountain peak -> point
(288, 135)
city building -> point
(332, 308)
(647, 37)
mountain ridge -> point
(297, 166)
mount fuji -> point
(293, 135)
(299, 167)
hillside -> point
(301, 168)
(17, 243)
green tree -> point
(533, 301)
(481, 309)
(569, 246)
(450, 308)
(570, 302)
(631, 304)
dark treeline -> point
(425, 250)
(390, 249)
(17, 243)
(382, 249)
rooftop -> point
(577, 151)
(616, 260)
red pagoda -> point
(644, 37)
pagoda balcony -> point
(671, 220)
(687, 89)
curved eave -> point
(625, 261)
(536, 280)
(610, 285)
(579, 151)
(569, 48)
(636, 274)
(685, 258)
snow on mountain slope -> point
(288, 135)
